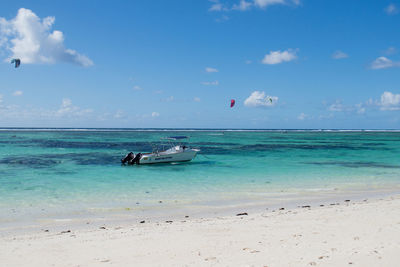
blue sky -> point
(324, 64)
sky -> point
(289, 64)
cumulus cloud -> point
(209, 69)
(384, 63)
(17, 93)
(31, 39)
(196, 99)
(339, 55)
(137, 88)
(155, 114)
(277, 57)
(360, 108)
(260, 99)
(210, 83)
(68, 109)
(216, 6)
(27, 114)
(337, 106)
(391, 9)
(265, 3)
(242, 6)
(389, 101)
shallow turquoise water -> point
(80, 170)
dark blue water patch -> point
(51, 160)
(217, 151)
(46, 143)
(29, 161)
(193, 144)
(373, 144)
(356, 164)
(334, 146)
(92, 158)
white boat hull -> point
(169, 156)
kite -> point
(16, 61)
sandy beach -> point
(356, 233)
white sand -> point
(349, 234)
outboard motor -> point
(128, 158)
(137, 158)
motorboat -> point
(176, 153)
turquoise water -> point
(79, 171)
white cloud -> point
(248, 62)
(209, 69)
(260, 99)
(384, 63)
(17, 93)
(265, 3)
(65, 114)
(360, 108)
(302, 116)
(391, 9)
(210, 83)
(68, 109)
(277, 57)
(137, 88)
(155, 114)
(1, 99)
(30, 38)
(196, 99)
(389, 101)
(339, 55)
(216, 6)
(337, 106)
(242, 6)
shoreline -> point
(363, 233)
(86, 219)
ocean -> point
(62, 173)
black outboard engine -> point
(128, 158)
(137, 159)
